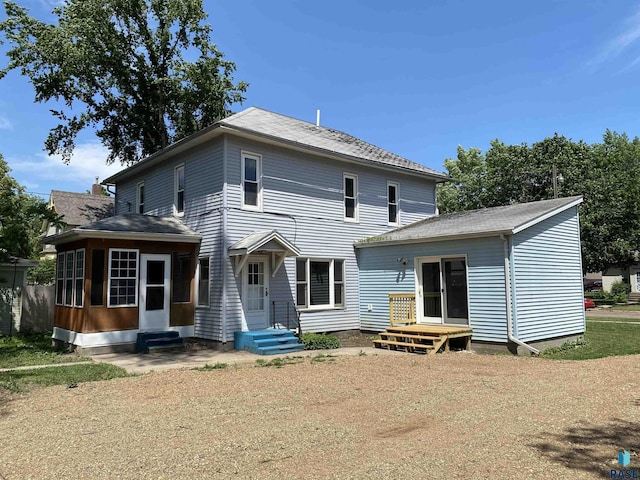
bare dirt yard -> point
(454, 415)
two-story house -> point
(261, 217)
(278, 204)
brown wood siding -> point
(91, 319)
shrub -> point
(620, 291)
(319, 341)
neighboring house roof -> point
(20, 263)
(509, 220)
(271, 127)
(81, 208)
(130, 226)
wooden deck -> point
(420, 338)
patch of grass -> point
(319, 341)
(602, 340)
(279, 362)
(362, 353)
(323, 358)
(633, 307)
(207, 367)
(32, 349)
(613, 320)
(71, 375)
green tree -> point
(607, 175)
(122, 65)
(21, 218)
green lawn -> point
(634, 307)
(16, 380)
(32, 349)
(604, 339)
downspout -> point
(223, 254)
(510, 303)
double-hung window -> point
(350, 197)
(251, 181)
(392, 203)
(70, 278)
(178, 201)
(140, 197)
(203, 282)
(123, 278)
(60, 279)
(79, 279)
(319, 283)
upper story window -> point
(178, 201)
(251, 181)
(350, 197)
(392, 203)
(140, 198)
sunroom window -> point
(123, 278)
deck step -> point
(407, 345)
(407, 335)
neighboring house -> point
(232, 227)
(13, 278)
(76, 209)
(513, 274)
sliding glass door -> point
(442, 291)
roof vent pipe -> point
(318, 118)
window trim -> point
(176, 191)
(396, 203)
(307, 307)
(76, 278)
(199, 279)
(60, 277)
(109, 278)
(69, 254)
(356, 217)
(140, 198)
(258, 158)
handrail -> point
(402, 308)
(292, 316)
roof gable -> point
(509, 219)
(81, 208)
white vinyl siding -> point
(123, 278)
(251, 181)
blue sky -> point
(418, 78)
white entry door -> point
(155, 286)
(255, 293)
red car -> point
(588, 303)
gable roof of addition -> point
(81, 208)
(484, 222)
(263, 125)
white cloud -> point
(5, 124)
(620, 44)
(87, 163)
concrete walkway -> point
(159, 361)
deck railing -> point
(284, 314)
(402, 309)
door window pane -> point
(456, 289)
(432, 305)
(155, 272)
(155, 298)
(255, 287)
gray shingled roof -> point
(306, 134)
(274, 127)
(81, 208)
(129, 226)
(483, 222)
(258, 239)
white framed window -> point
(393, 203)
(320, 283)
(123, 278)
(79, 279)
(60, 279)
(203, 282)
(178, 188)
(69, 270)
(251, 181)
(140, 198)
(350, 184)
